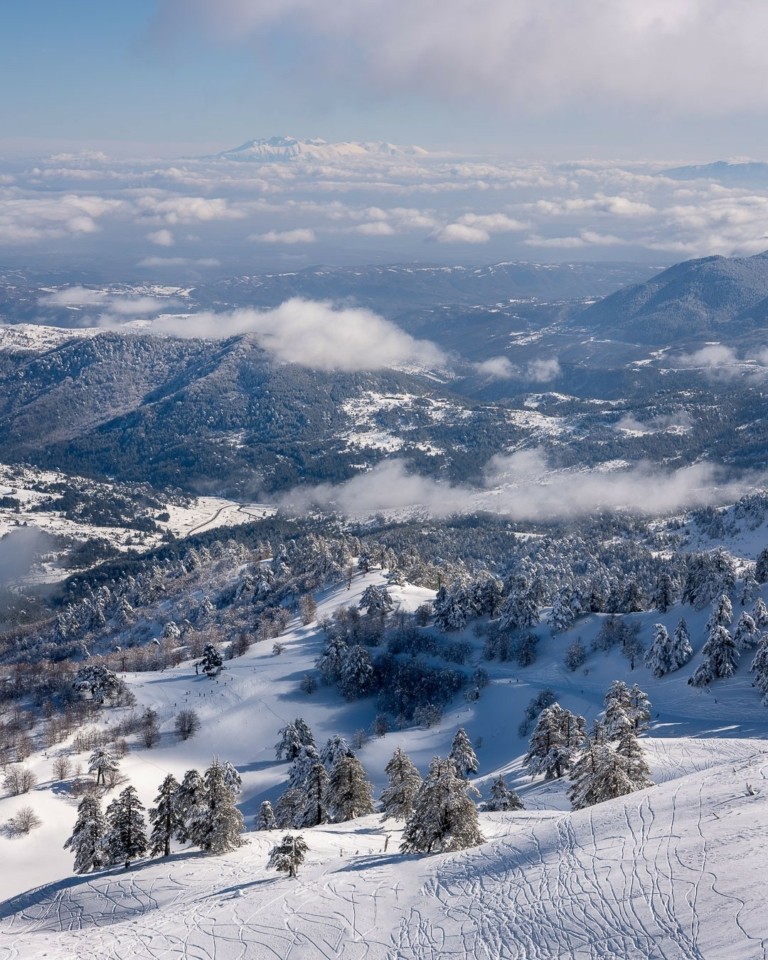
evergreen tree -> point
(639, 709)
(356, 677)
(555, 740)
(335, 747)
(444, 817)
(288, 855)
(349, 793)
(601, 774)
(746, 634)
(760, 614)
(293, 736)
(664, 592)
(720, 658)
(561, 616)
(87, 840)
(658, 659)
(126, 837)
(722, 613)
(164, 818)
(218, 823)
(462, 754)
(761, 566)
(103, 764)
(315, 790)
(681, 651)
(404, 783)
(303, 763)
(376, 600)
(750, 588)
(189, 804)
(289, 808)
(637, 767)
(760, 668)
(502, 798)
(211, 661)
(265, 818)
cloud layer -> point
(524, 488)
(702, 56)
(314, 334)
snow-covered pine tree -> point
(760, 668)
(444, 817)
(761, 566)
(315, 791)
(289, 808)
(232, 778)
(637, 767)
(404, 783)
(618, 708)
(220, 824)
(750, 588)
(555, 740)
(639, 709)
(288, 855)
(561, 616)
(681, 651)
(302, 764)
(502, 798)
(126, 837)
(601, 774)
(349, 793)
(663, 595)
(746, 634)
(335, 747)
(722, 613)
(462, 754)
(376, 600)
(211, 662)
(265, 818)
(658, 659)
(164, 818)
(189, 803)
(760, 614)
(356, 677)
(292, 737)
(103, 764)
(720, 658)
(87, 839)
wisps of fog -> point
(540, 370)
(721, 362)
(523, 487)
(20, 550)
(314, 334)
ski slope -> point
(670, 872)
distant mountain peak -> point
(290, 148)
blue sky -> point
(553, 78)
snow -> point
(658, 874)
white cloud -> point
(498, 368)
(30, 219)
(492, 222)
(162, 238)
(544, 369)
(461, 233)
(186, 210)
(376, 228)
(300, 235)
(314, 334)
(696, 56)
(501, 368)
(713, 357)
(75, 296)
(524, 487)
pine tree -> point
(335, 747)
(164, 818)
(189, 803)
(658, 659)
(356, 677)
(720, 658)
(761, 566)
(502, 798)
(462, 754)
(87, 840)
(637, 767)
(561, 616)
(555, 740)
(681, 651)
(289, 808)
(664, 592)
(288, 855)
(760, 613)
(349, 793)
(315, 790)
(602, 773)
(760, 668)
(376, 600)
(639, 709)
(126, 837)
(293, 736)
(265, 818)
(722, 613)
(444, 817)
(211, 661)
(103, 764)
(220, 823)
(404, 783)
(750, 588)
(746, 634)
(302, 764)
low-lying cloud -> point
(314, 334)
(523, 487)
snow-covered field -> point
(671, 872)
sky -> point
(556, 79)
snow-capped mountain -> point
(291, 148)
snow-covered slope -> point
(659, 874)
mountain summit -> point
(290, 148)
